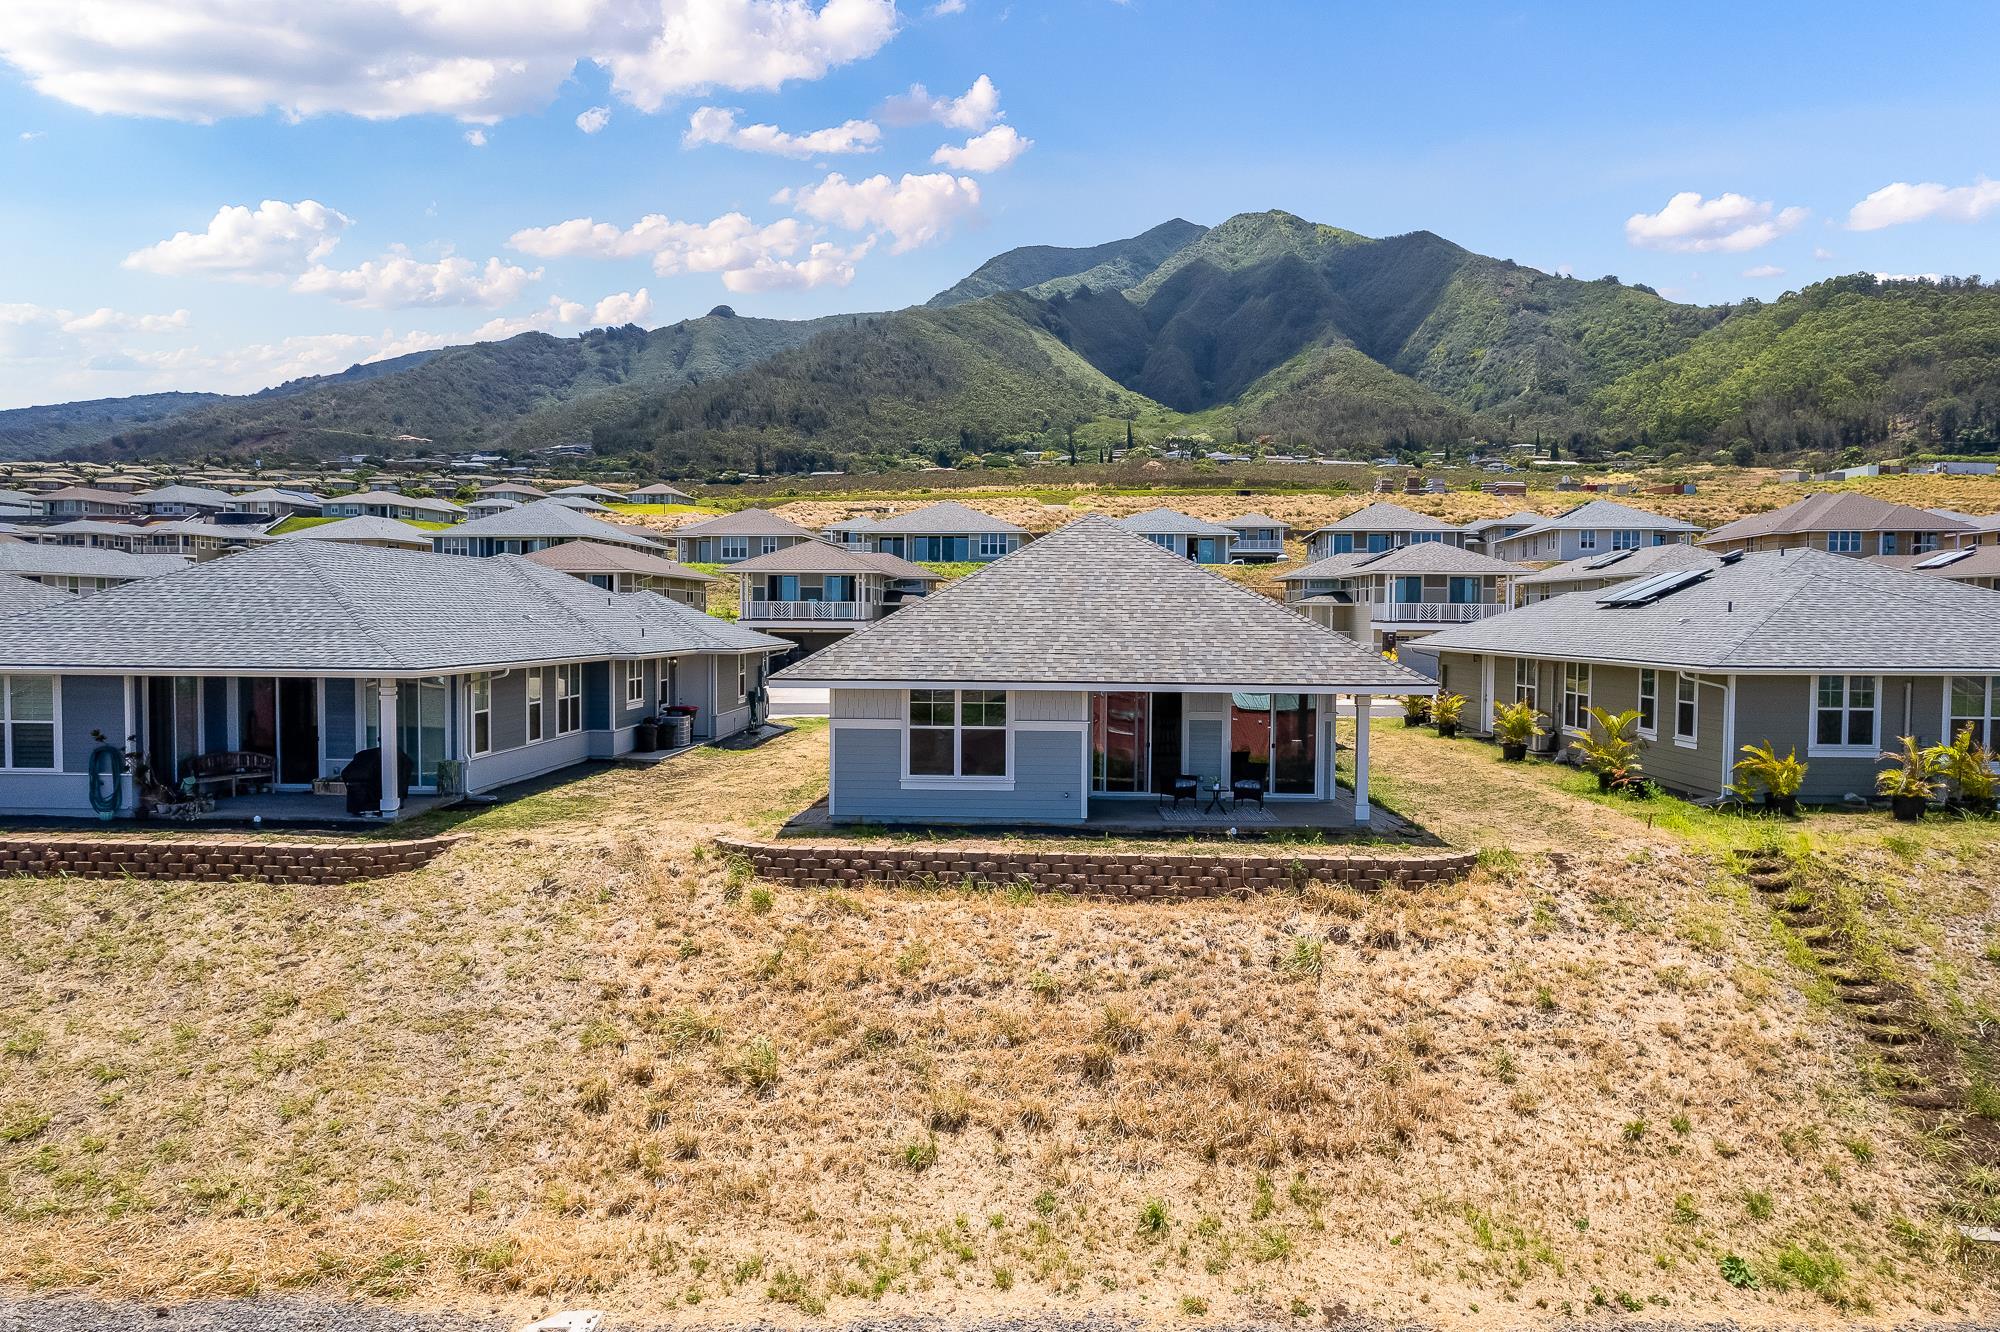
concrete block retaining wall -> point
(1092, 873)
(215, 860)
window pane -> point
(930, 752)
(1861, 728)
(1968, 697)
(983, 707)
(34, 698)
(34, 745)
(1830, 691)
(1827, 730)
(983, 753)
(930, 707)
(1861, 691)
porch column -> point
(392, 768)
(1364, 704)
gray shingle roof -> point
(86, 493)
(1521, 518)
(1382, 516)
(1250, 520)
(21, 557)
(745, 522)
(279, 495)
(581, 503)
(18, 595)
(584, 557)
(1835, 511)
(659, 489)
(1799, 610)
(327, 607)
(588, 492)
(200, 495)
(824, 557)
(1424, 557)
(945, 518)
(1634, 564)
(1092, 604)
(1173, 522)
(1600, 514)
(522, 487)
(543, 519)
(1975, 562)
(423, 504)
(363, 529)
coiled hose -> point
(106, 761)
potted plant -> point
(1445, 712)
(1416, 710)
(1968, 766)
(1910, 783)
(1516, 726)
(1610, 748)
(1779, 778)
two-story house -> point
(813, 592)
(1383, 598)
(1259, 539)
(1841, 522)
(1196, 539)
(1381, 526)
(731, 538)
(183, 502)
(1484, 532)
(943, 533)
(536, 526)
(1595, 527)
(389, 504)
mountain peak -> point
(1049, 270)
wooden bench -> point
(231, 768)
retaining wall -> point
(215, 860)
(1092, 873)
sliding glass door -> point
(1274, 739)
(420, 725)
(1120, 725)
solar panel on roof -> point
(1943, 558)
(1606, 561)
(1645, 591)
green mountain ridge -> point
(1046, 270)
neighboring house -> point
(658, 493)
(1378, 527)
(1841, 523)
(732, 538)
(1259, 539)
(122, 483)
(1383, 599)
(183, 502)
(814, 592)
(487, 507)
(598, 493)
(1595, 527)
(386, 533)
(1485, 531)
(535, 526)
(1833, 657)
(274, 502)
(849, 532)
(1977, 565)
(308, 651)
(1087, 673)
(389, 504)
(1195, 539)
(81, 569)
(581, 503)
(1594, 572)
(627, 569)
(19, 595)
(1985, 527)
(22, 504)
(518, 491)
(943, 533)
(198, 540)
(94, 533)
(83, 502)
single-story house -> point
(1387, 598)
(123, 483)
(197, 539)
(627, 569)
(1841, 522)
(1978, 566)
(22, 504)
(1195, 539)
(1830, 656)
(1378, 527)
(1090, 666)
(1594, 527)
(183, 501)
(490, 505)
(731, 538)
(658, 493)
(580, 503)
(389, 504)
(93, 533)
(81, 568)
(537, 525)
(589, 492)
(84, 502)
(1984, 527)
(306, 651)
(518, 491)
(1593, 572)
(945, 532)
(277, 502)
(1260, 539)
(387, 533)
(814, 592)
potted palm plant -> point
(1779, 778)
(1910, 782)
(1445, 712)
(1968, 766)
(1416, 710)
(1610, 748)
(1516, 726)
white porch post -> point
(1364, 705)
(392, 768)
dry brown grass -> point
(581, 1058)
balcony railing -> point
(1434, 612)
(1242, 547)
(788, 611)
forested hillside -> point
(1044, 270)
(41, 432)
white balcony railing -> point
(1434, 612)
(789, 611)
(1242, 547)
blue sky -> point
(1712, 151)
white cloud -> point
(825, 265)
(915, 210)
(29, 136)
(1908, 277)
(265, 245)
(716, 124)
(1728, 222)
(978, 108)
(1821, 253)
(1764, 271)
(944, 7)
(477, 60)
(1894, 205)
(731, 243)
(476, 137)
(625, 307)
(594, 119)
(996, 148)
(397, 281)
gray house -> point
(945, 532)
(537, 525)
(1090, 671)
(389, 504)
(1388, 598)
(183, 501)
(305, 652)
(814, 591)
(1834, 657)
(1595, 527)
(1260, 538)
(81, 568)
(731, 538)
(1378, 527)
(1595, 572)
(1196, 539)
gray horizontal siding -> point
(867, 782)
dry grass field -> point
(582, 1059)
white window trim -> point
(534, 706)
(473, 749)
(728, 549)
(635, 683)
(1692, 739)
(938, 782)
(1567, 693)
(1648, 732)
(1990, 686)
(1816, 750)
(56, 721)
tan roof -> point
(818, 556)
(1835, 511)
(746, 522)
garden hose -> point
(106, 761)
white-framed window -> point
(535, 726)
(1420, 538)
(1687, 709)
(992, 545)
(1888, 543)
(958, 733)
(742, 680)
(1527, 683)
(1625, 539)
(734, 548)
(1844, 715)
(1843, 543)
(770, 545)
(480, 740)
(29, 706)
(1576, 695)
(1974, 701)
(1587, 539)
(635, 684)
(569, 698)
(1649, 702)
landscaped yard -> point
(582, 1059)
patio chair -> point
(1186, 786)
(1247, 788)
